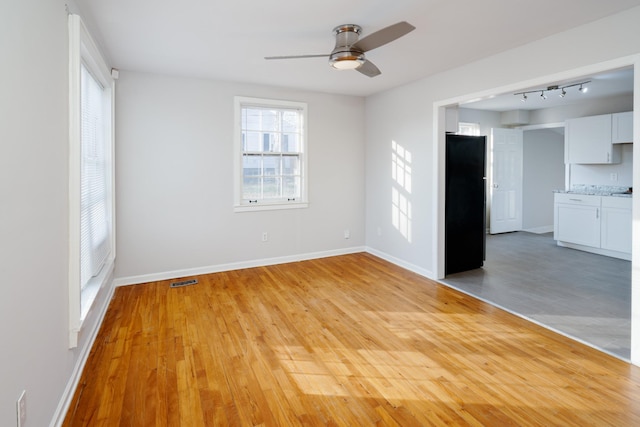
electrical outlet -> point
(265, 236)
(21, 408)
(613, 177)
(347, 234)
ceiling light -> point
(346, 60)
(562, 89)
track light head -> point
(583, 89)
(542, 95)
(524, 97)
(563, 93)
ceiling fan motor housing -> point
(344, 56)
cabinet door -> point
(588, 140)
(622, 127)
(615, 232)
(577, 224)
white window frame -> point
(241, 205)
(83, 51)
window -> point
(472, 129)
(95, 244)
(270, 154)
(91, 228)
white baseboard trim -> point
(606, 252)
(168, 275)
(540, 230)
(401, 263)
(83, 355)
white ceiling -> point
(227, 40)
(603, 85)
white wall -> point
(174, 179)
(33, 219)
(543, 172)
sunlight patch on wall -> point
(401, 190)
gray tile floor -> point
(582, 295)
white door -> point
(505, 189)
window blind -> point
(94, 218)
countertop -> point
(598, 190)
(594, 193)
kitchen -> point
(599, 224)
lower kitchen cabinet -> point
(598, 224)
(577, 219)
(615, 225)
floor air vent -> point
(184, 283)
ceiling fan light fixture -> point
(346, 60)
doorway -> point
(576, 74)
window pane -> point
(252, 141)
(271, 188)
(251, 165)
(290, 165)
(251, 188)
(291, 187)
(290, 143)
(251, 118)
(271, 165)
(271, 142)
(290, 121)
(270, 120)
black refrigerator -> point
(465, 203)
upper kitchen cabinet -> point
(589, 140)
(622, 127)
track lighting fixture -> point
(563, 93)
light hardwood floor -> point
(342, 341)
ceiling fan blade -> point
(384, 36)
(369, 69)
(296, 56)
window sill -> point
(90, 291)
(269, 207)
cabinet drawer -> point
(616, 202)
(577, 199)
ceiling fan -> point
(348, 53)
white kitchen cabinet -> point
(577, 219)
(588, 140)
(615, 233)
(598, 224)
(622, 127)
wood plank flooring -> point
(341, 341)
